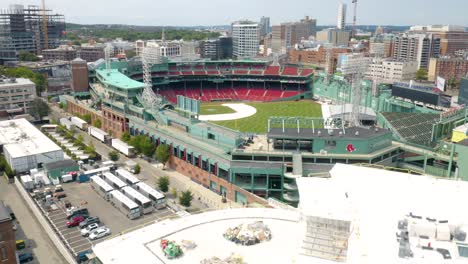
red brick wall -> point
(74, 108)
(8, 241)
(203, 177)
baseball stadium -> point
(248, 129)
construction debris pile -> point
(171, 249)
(248, 234)
(233, 259)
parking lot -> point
(81, 195)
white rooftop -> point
(20, 138)
(14, 82)
(375, 200)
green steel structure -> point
(267, 165)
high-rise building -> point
(286, 35)
(245, 39)
(452, 38)
(22, 29)
(15, 95)
(264, 26)
(381, 45)
(79, 70)
(391, 71)
(447, 68)
(341, 19)
(334, 36)
(416, 47)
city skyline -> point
(185, 13)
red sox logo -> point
(350, 148)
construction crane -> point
(44, 25)
(354, 17)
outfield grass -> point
(258, 123)
(215, 109)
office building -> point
(463, 94)
(416, 47)
(22, 29)
(391, 71)
(15, 95)
(341, 19)
(139, 46)
(63, 52)
(335, 37)
(25, 147)
(452, 38)
(447, 68)
(7, 236)
(245, 39)
(216, 49)
(79, 71)
(91, 52)
(381, 45)
(264, 26)
(286, 35)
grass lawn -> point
(258, 123)
(215, 109)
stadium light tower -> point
(108, 52)
(151, 55)
(354, 66)
(354, 17)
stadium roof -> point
(375, 200)
(20, 138)
(117, 79)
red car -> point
(75, 221)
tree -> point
(174, 192)
(163, 184)
(142, 144)
(27, 56)
(421, 74)
(126, 137)
(185, 198)
(87, 118)
(137, 169)
(114, 156)
(452, 83)
(39, 108)
(97, 123)
(163, 154)
(80, 139)
(90, 148)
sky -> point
(222, 12)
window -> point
(3, 254)
(211, 136)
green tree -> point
(163, 154)
(60, 105)
(126, 137)
(39, 109)
(185, 198)
(87, 118)
(452, 83)
(114, 156)
(27, 56)
(137, 169)
(163, 183)
(80, 139)
(90, 148)
(97, 123)
(174, 192)
(142, 144)
(421, 74)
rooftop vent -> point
(357, 133)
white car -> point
(87, 230)
(100, 232)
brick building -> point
(79, 71)
(65, 53)
(317, 57)
(447, 68)
(7, 237)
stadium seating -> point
(306, 72)
(290, 71)
(412, 127)
(272, 70)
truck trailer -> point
(79, 123)
(123, 147)
(98, 133)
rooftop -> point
(21, 138)
(60, 164)
(4, 213)
(309, 133)
(117, 79)
(9, 82)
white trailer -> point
(158, 199)
(101, 187)
(123, 147)
(127, 177)
(115, 182)
(66, 123)
(125, 204)
(98, 133)
(146, 206)
(78, 122)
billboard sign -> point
(440, 83)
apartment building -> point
(15, 95)
(416, 47)
(286, 35)
(452, 38)
(64, 53)
(334, 36)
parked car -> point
(89, 229)
(83, 256)
(100, 232)
(25, 257)
(82, 211)
(20, 244)
(75, 221)
(60, 195)
(58, 188)
(89, 220)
